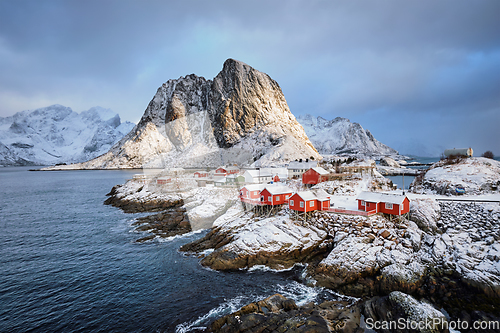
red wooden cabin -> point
(275, 195)
(315, 176)
(251, 193)
(394, 204)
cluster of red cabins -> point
(308, 201)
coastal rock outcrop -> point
(168, 223)
(241, 116)
(457, 176)
(401, 313)
(242, 240)
(135, 198)
(280, 314)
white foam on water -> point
(264, 268)
(169, 239)
(225, 308)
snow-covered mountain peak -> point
(340, 136)
(57, 134)
(241, 116)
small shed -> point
(394, 204)
(315, 176)
(275, 195)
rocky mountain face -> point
(57, 134)
(340, 136)
(241, 116)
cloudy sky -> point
(420, 75)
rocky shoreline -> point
(445, 256)
(435, 256)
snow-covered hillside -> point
(57, 134)
(340, 136)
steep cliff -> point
(241, 116)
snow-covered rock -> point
(241, 116)
(425, 213)
(340, 136)
(387, 161)
(474, 175)
(57, 134)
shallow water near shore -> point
(69, 263)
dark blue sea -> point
(70, 264)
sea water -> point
(70, 264)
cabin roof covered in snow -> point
(307, 195)
(321, 171)
(321, 195)
(381, 197)
(302, 165)
(254, 187)
(256, 173)
(278, 189)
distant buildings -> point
(297, 168)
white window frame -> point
(277, 198)
(291, 202)
(388, 205)
(311, 203)
(302, 204)
(269, 198)
(363, 203)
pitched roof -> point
(381, 197)
(254, 187)
(321, 195)
(256, 173)
(306, 195)
(321, 171)
(278, 189)
(302, 165)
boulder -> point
(401, 313)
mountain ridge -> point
(341, 136)
(56, 134)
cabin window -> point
(277, 198)
(255, 192)
(363, 203)
(311, 203)
(287, 196)
(388, 205)
(302, 204)
(291, 202)
(269, 198)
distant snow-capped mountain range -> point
(57, 134)
(340, 136)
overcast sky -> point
(421, 75)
